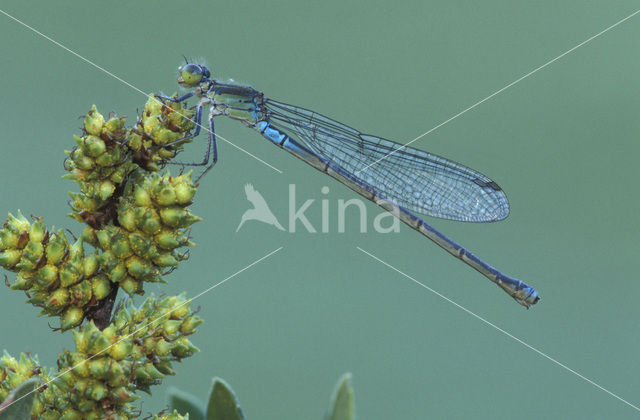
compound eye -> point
(191, 74)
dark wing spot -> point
(489, 184)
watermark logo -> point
(260, 211)
(383, 222)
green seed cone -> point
(166, 260)
(56, 248)
(167, 239)
(9, 258)
(99, 367)
(23, 281)
(8, 239)
(142, 197)
(90, 265)
(118, 273)
(190, 324)
(38, 231)
(127, 219)
(32, 254)
(166, 196)
(47, 276)
(185, 191)
(72, 317)
(69, 275)
(93, 122)
(94, 146)
(106, 189)
(101, 287)
(81, 293)
(114, 128)
(58, 299)
(131, 286)
(121, 350)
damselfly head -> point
(191, 74)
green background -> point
(562, 143)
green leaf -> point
(185, 403)
(18, 405)
(342, 405)
(223, 404)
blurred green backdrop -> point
(562, 143)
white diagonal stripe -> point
(121, 80)
(489, 323)
(501, 90)
(148, 323)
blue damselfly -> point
(400, 179)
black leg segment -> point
(178, 99)
(212, 148)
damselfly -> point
(400, 179)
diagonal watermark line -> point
(121, 80)
(500, 91)
(188, 301)
(530, 347)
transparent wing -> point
(417, 180)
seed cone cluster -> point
(160, 133)
(108, 154)
(108, 367)
(99, 164)
(14, 371)
(152, 225)
(137, 227)
(58, 277)
(137, 220)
